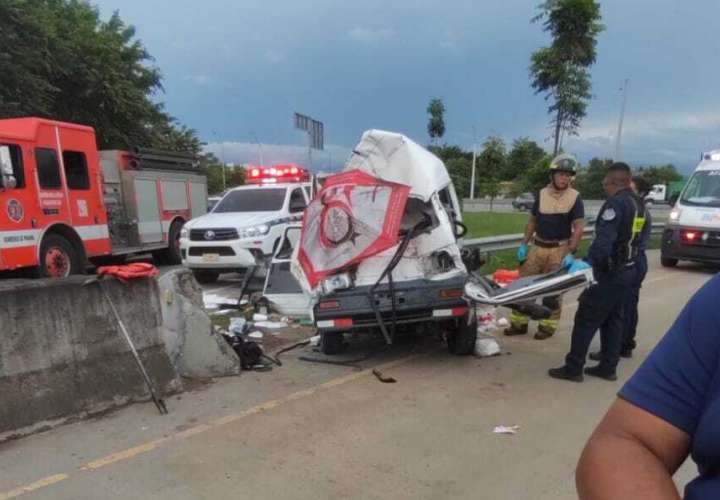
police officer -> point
(613, 256)
(630, 308)
(555, 229)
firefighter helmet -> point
(564, 163)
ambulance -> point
(692, 232)
(65, 205)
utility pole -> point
(618, 138)
(222, 159)
(474, 161)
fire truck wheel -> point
(461, 339)
(171, 255)
(58, 258)
(205, 277)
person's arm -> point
(532, 221)
(578, 225)
(632, 455)
(647, 433)
(529, 229)
(606, 233)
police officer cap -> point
(564, 163)
(620, 166)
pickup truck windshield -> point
(703, 189)
(252, 200)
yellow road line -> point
(140, 449)
(42, 483)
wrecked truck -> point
(380, 247)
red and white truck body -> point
(64, 203)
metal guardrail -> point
(511, 241)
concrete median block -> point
(62, 355)
(195, 350)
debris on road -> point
(273, 325)
(315, 341)
(385, 380)
(487, 346)
(502, 429)
(238, 326)
(255, 335)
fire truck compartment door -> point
(148, 211)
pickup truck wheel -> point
(205, 277)
(332, 342)
(668, 262)
(461, 339)
(58, 258)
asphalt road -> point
(316, 431)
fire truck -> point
(64, 204)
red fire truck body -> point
(64, 203)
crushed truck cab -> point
(381, 247)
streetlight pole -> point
(622, 119)
(474, 161)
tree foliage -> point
(213, 168)
(59, 60)
(560, 71)
(436, 122)
(589, 179)
(523, 156)
(661, 174)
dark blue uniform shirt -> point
(609, 251)
(680, 383)
(556, 227)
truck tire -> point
(205, 277)
(668, 262)
(58, 258)
(461, 339)
(170, 256)
(332, 342)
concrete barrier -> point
(195, 350)
(63, 357)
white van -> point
(693, 228)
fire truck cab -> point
(64, 203)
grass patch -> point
(483, 224)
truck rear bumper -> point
(416, 301)
(218, 255)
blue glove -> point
(568, 261)
(578, 265)
(522, 253)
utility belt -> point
(549, 244)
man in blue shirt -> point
(668, 410)
(612, 255)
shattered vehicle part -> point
(524, 290)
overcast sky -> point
(237, 70)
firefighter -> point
(555, 230)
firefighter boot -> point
(546, 329)
(518, 324)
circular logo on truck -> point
(209, 235)
(15, 210)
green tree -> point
(560, 71)
(59, 60)
(589, 180)
(537, 176)
(492, 160)
(525, 153)
(661, 174)
(459, 169)
(436, 122)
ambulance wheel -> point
(171, 255)
(668, 262)
(461, 339)
(58, 258)
(205, 277)
(331, 342)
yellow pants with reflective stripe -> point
(540, 261)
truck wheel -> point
(206, 277)
(668, 262)
(58, 258)
(461, 339)
(171, 255)
(331, 342)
